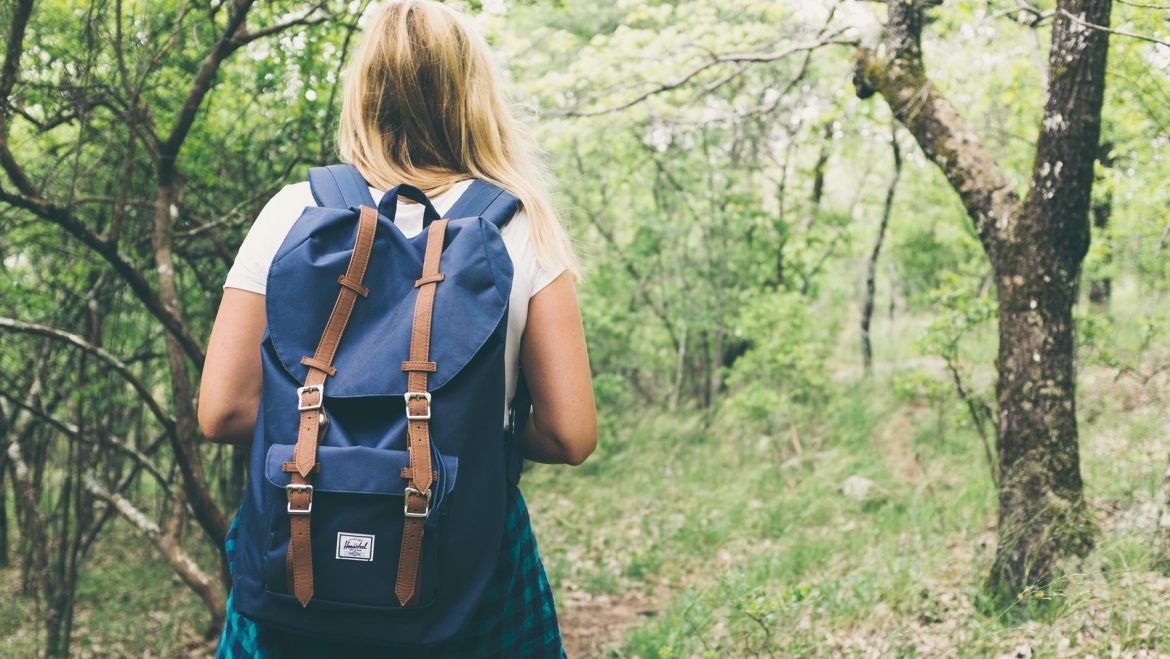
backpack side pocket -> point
(355, 527)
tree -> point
(115, 150)
(1035, 246)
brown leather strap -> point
(319, 365)
(418, 410)
(289, 467)
(298, 560)
(429, 278)
(305, 454)
(310, 399)
(429, 367)
(353, 285)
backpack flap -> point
(469, 307)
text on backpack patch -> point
(355, 547)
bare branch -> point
(1036, 15)
(941, 131)
(233, 37)
(1141, 5)
(75, 433)
(304, 19)
(11, 67)
(713, 61)
(121, 369)
(193, 576)
(1120, 33)
(225, 46)
(65, 219)
(64, 117)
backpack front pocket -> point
(355, 525)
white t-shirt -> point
(250, 270)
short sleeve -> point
(542, 277)
(518, 232)
(249, 272)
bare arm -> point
(563, 424)
(229, 394)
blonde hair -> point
(422, 105)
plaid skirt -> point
(515, 617)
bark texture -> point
(1035, 247)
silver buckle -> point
(295, 487)
(406, 502)
(301, 391)
(411, 395)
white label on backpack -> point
(355, 547)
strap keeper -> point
(353, 285)
(429, 279)
(313, 362)
(411, 366)
(290, 467)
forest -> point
(875, 295)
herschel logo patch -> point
(355, 546)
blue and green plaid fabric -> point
(515, 618)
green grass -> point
(692, 535)
(129, 603)
(751, 549)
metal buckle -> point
(410, 395)
(301, 391)
(295, 487)
(406, 502)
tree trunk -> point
(1041, 501)
(5, 559)
(1101, 288)
(185, 438)
(871, 267)
(1042, 512)
(1035, 248)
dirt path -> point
(592, 623)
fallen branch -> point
(205, 586)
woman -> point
(422, 105)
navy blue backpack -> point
(376, 499)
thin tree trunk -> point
(1101, 287)
(871, 267)
(5, 558)
(893, 308)
(680, 361)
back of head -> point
(423, 105)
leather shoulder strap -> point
(310, 406)
(486, 200)
(340, 186)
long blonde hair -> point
(423, 105)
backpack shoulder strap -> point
(486, 200)
(340, 186)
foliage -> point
(724, 209)
(781, 380)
